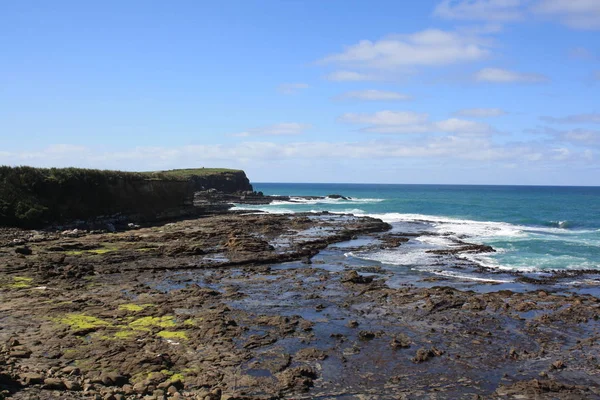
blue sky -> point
(452, 91)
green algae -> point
(145, 323)
(125, 334)
(99, 251)
(173, 335)
(177, 377)
(20, 282)
(134, 307)
(82, 321)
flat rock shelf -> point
(256, 306)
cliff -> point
(34, 197)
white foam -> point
(411, 258)
(469, 277)
(587, 282)
(324, 200)
(263, 209)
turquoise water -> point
(532, 228)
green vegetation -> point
(145, 323)
(173, 335)
(125, 334)
(18, 282)
(185, 174)
(103, 250)
(134, 307)
(82, 321)
(32, 197)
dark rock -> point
(466, 249)
(423, 354)
(53, 384)
(32, 378)
(297, 379)
(71, 385)
(354, 277)
(400, 341)
(337, 196)
(310, 354)
(24, 250)
(113, 379)
(366, 335)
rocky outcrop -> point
(34, 197)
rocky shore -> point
(255, 306)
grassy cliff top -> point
(183, 174)
(61, 174)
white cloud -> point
(487, 10)
(577, 14)
(461, 126)
(498, 75)
(374, 95)
(389, 118)
(591, 118)
(582, 136)
(432, 47)
(412, 123)
(480, 112)
(350, 76)
(292, 88)
(464, 150)
(282, 129)
(581, 53)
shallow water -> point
(533, 229)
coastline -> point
(241, 305)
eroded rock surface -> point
(226, 307)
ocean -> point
(534, 229)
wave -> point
(561, 224)
(262, 208)
(469, 277)
(473, 228)
(324, 200)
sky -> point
(431, 92)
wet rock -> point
(336, 196)
(444, 304)
(423, 354)
(255, 341)
(467, 249)
(297, 379)
(536, 387)
(366, 335)
(400, 341)
(390, 242)
(352, 324)
(354, 277)
(306, 325)
(310, 354)
(246, 243)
